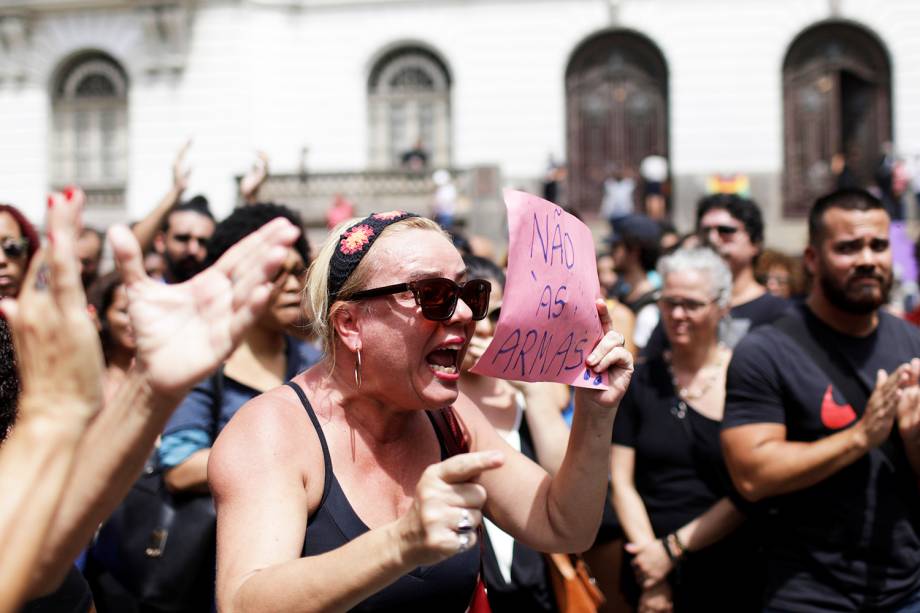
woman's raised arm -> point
(562, 512)
(59, 361)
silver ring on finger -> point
(464, 541)
(465, 523)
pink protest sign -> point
(548, 322)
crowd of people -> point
(763, 454)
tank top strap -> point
(327, 459)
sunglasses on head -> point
(722, 230)
(14, 247)
(438, 296)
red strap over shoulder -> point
(448, 424)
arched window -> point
(836, 100)
(409, 108)
(90, 107)
(616, 87)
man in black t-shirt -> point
(836, 476)
(733, 227)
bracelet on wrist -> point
(679, 548)
(667, 549)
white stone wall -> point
(279, 75)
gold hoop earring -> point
(358, 368)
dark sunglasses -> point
(438, 296)
(722, 230)
(14, 247)
(494, 314)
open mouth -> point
(444, 361)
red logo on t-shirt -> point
(835, 416)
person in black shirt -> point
(670, 488)
(836, 474)
(733, 227)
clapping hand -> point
(909, 403)
(59, 360)
(185, 331)
(57, 346)
(882, 407)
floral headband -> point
(354, 243)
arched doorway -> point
(836, 100)
(616, 87)
(409, 108)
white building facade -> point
(104, 92)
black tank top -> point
(443, 587)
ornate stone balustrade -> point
(479, 208)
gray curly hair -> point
(700, 259)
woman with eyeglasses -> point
(108, 298)
(670, 488)
(529, 417)
(350, 487)
(18, 243)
